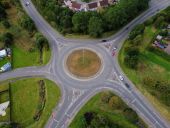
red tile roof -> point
(76, 5)
(92, 5)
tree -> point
(105, 96)
(2, 12)
(27, 23)
(159, 22)
(137, 41)
(40, 41)
(95, 27)
(131, 115)
(6, 23)
(80, 22)
(138, 30)
(7, 38)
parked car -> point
(121, 78)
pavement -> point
(76, 92)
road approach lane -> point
(71, 104)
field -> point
(110, 108)
(25, 99)
(24, 51)
(151, 70)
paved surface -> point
(76, 92)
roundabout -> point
(83, 65)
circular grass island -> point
(83, 63)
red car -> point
(113, 53)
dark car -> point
(104, 40)
(127, 85)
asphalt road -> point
(76, 92)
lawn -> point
(151, 66)
(24, 51)
(116, 115)
(25, 99)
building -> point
(92, 6)
(3, 53)
(76, 6)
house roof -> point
(76, 5)
(92, 5)
(104, 3)
(3, 53)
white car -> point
(114, 48)
(27, 3)
(121, 78)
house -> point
(3, 53)
(5, 67)
(76, 6)
(159, 37)
(93, 6)
(104, 3)
(3, 107)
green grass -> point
(25, 98)
(151, 65)
(96, 105)
(24, 101)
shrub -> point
(6, 24)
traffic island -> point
(83, 63)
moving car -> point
(27, 3)
(127, 85)
(104, 40)
(121, 78)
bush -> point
(42, 100)
(6, 24)
(138, 30)
(27, 23)
(7, 38)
